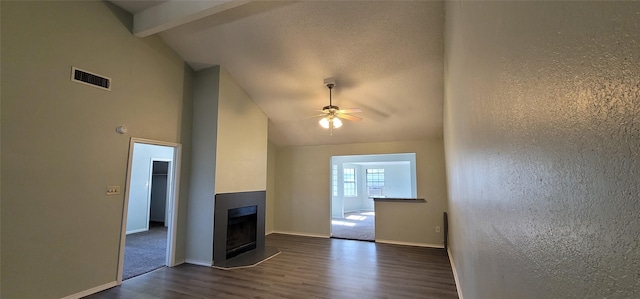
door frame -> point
(173, 213)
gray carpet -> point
(356, 226)
(145, 251)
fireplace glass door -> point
(241, 230)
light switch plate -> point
(113, 190)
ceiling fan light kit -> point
(333, 122)
(332, 114)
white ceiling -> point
(386, 58)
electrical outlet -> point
(113, 190)
(437, 229)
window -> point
(334, 179)
(375, 182)
(350, 182)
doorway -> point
(149, 218)
(356, 180)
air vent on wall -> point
(84, 77)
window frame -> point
(349, 183)
(375, 179)
(334, 180)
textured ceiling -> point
(386, 58)
(135, 6)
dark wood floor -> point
(307, 268)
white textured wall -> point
(60, 231)
(542, 134)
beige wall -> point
(272, 150)
(303, 187)
(199, 232)
(241, 154)
(543, 144)
(230, 153)
(60, 232)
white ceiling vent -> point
(84, 77)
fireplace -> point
(239, 229)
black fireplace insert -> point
(241, 230)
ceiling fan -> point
(331, 114)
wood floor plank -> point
(307, 268)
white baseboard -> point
(410, 243)
(137, 231)
(92, 290)
(178, 263)
(300, 234)
(455, 274)
(199, 263)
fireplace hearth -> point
(239, 229)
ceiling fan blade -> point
(348, 117)
(312, 116)
(350, 110)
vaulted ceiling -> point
(385, 56)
